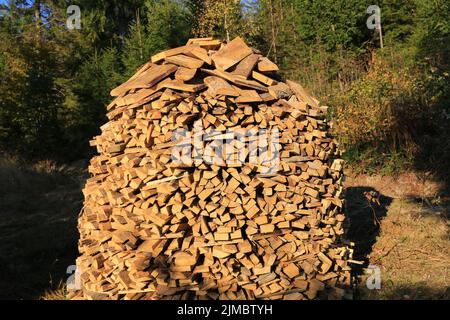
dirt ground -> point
(39, 206)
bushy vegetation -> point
(390, 105)
(396, 113)
(378, 116)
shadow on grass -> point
(38, 234)
(363, 227)
(416, 291)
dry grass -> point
(412, 245)
(38, 207)
(57, 294)
(413, 252)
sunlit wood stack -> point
(159, 225)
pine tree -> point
(162, 25)
(36, 58)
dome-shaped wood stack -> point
(245, 205)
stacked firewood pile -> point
(214, 180)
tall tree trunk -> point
(272, 27)
(138, 25)
(381, 36)
(37, 12)
(122, 25)
(227, 33)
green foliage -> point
(433, 48)
(55, 82)
(29, 87)
(86, 112)
(366, 159)
(221, 19)
(164, 26)
(167, 23)
(334, 23)
(138, 47)
(371, 110)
